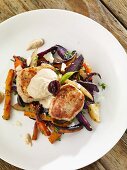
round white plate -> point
(105, 55)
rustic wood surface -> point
(118, 8)
(112, 14)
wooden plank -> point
(6, 166)
(118, 8)
(99, 13)
(94, 9)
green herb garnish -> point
(22, 59)
(59, 139)
(68, 54)
(56, 129)
(12, 60)
(102, 85)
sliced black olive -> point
(20, 101)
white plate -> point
(105, 55)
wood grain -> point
(116, 159)
(99, 13)
(118, 8)
(6, 166)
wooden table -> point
(112, 14)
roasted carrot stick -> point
(42, 116)
(35, 132)
(7, 104)
(40, 123)
(43, 128)
(30, 114)
(54, 137)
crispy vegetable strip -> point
(84, 91)
(17, 62)
(35, 132)
(54, 137)
(30, 114)
(68, 63)
(65, 124)
(40, 123)
(70, 129)
(42, 116)
(43, 128)
(7, 104)
(66, 76)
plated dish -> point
(55, 88)
(104, 54)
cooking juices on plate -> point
(55, 88)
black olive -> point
(54, 87)
(20, 101)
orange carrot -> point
(54, 137)
(43, 128)
(42, 116)
(46, 117)
(30, 114)
(7, 104)
(17, 62)
(87, 68)
(35, 132)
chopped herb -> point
(22, 59)
(56, 129)
(102, 85)
(68, 54)
(59, 139)
(12, 60)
